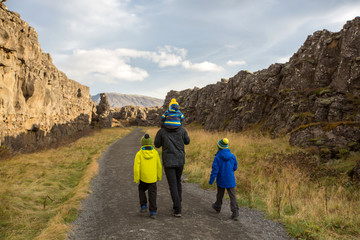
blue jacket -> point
(223, 169)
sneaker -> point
(177, 215)
(213, 206)
(143, 209)
(153, 215)
(235, 218)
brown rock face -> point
(138, 116)
(319, 84)
(38, 103)
(103, 116)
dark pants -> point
(173, 176)
(233, 202)
(152, 189)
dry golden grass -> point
(313, 200)
(40, 193)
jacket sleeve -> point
(163, 117)
(181, 117)
(158, 139)
(159, 168)
(214, 171)
(137, 168)
(235, 164)
(186, 137)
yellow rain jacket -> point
(147, 166)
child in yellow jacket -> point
(147, 171)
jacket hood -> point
(148, 154)
(224, 154)
(173, 107)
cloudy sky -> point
(150, 47)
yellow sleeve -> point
(159, 168)
(137, 168)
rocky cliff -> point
(315, 96)
(38, 103)
(138, 116)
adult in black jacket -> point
(172, 142)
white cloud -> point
(202, 67)
(100, 65)
(283, 59)
(343, 14)
(89, 23)
(169, 56)
(166, 56)
(236, 63)
(88, 15)
(111, 66)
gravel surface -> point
(112, 209)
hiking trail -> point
(111, 211)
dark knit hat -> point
(223, 143)
(146, 140)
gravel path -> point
(112, 209)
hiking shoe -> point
(177, 215)
(143, 209)
(213, 206)
(235, 218)
(153, 215)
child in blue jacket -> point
(223, 169)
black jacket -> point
(172, 142)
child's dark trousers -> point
(233, 202)
(152, 190)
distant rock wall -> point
(138, 116)
(315, 96)
(38, 103)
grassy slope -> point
(40, 193)
(313, 200)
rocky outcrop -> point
(39, 105)
(138, 116)
(333, 140)
(103, 116)
(320, 85)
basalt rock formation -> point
(103, 116)
(138, 116)
(39, 105)
(315, 96)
